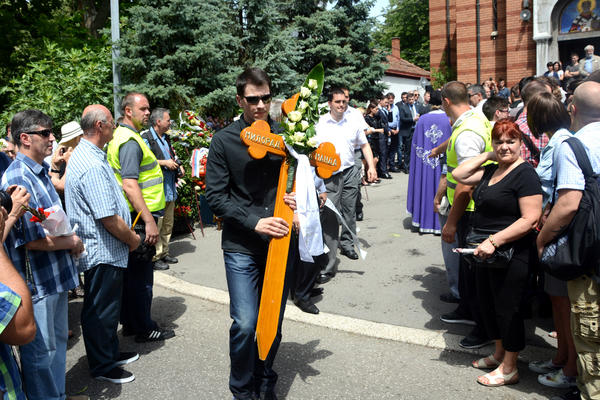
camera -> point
(5, 201)
(179, 164)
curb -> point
(429, 338)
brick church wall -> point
(510, 55)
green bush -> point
(60, 83)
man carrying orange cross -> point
(242, 191)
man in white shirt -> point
(345, 132)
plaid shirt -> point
(51, 271)
(92, 193)
(539, 143)
(10, 379)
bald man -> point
(95, 203)
(570, 184)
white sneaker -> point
(557, 379)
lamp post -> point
(115, 36)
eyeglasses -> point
(44, 132)
(255, 99)
(505, 110)
(114, 126)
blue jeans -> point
(249, 375)
(44, 359)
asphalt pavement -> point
(378, 335)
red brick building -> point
(480, 39)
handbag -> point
(576, 250)
(499, 259)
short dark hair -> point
(532, 88)
(338, 90)
(435, 98)
(478, 89)
(26, 121)
(493, 104)
(254, 76)
(129, 99)
(506, 127)
(515, 91)
(157, 114)
(524, 81)
(456, 92)
(390, 94)
(550, 64)
(403, 94)
(546, 114)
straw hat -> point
(70, 131)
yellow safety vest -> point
(150, 178)
(472, 121)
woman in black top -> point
(373, 119)
(508, 201)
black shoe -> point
(474, 342)
(170, 260)
(359, 216)
(307, 306)
(386, 176)
(314, 292)
(573, 394)
(324, 278)
(449, 298)
(127, 357)
(350, 253)
(270, 395)
(456, 318)
(116, 375)
(160, 265)
(155, 335)
(394, 169)
(127, 332)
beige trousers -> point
(165, 228)
(585, 321)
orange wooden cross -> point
(260, 141)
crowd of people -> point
(109, 191)
(488, 171)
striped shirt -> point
(10, 380)
(92, 193)
(51, 272)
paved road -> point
(393, 294)
(399, 283)
(313, 363)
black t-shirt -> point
(497, 206)
(373, 122)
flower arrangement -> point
(190, 133)
(301, 113)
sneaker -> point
(573, 394)
(544, 367)
(160, 265)
(474, 342)
(127, 357)
(557, 379)
(116, 375)
(155, 335)
(456, 318)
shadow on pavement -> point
(78, 377)
(293, 360)
(179, 247)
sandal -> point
(488, 362)
(499, 379)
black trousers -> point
(100, 316)
(305, 276)
(136, 308)
(383, 155)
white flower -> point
(312, 142)
(295, 116)
(305, 92)
(197, 188)
(304, 125)
(298, 135)
(302, 105)
(312, 84)
(291, 126)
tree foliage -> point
(60, 83)
(409, 21)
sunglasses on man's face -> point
(255, 99)
(44, 132)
